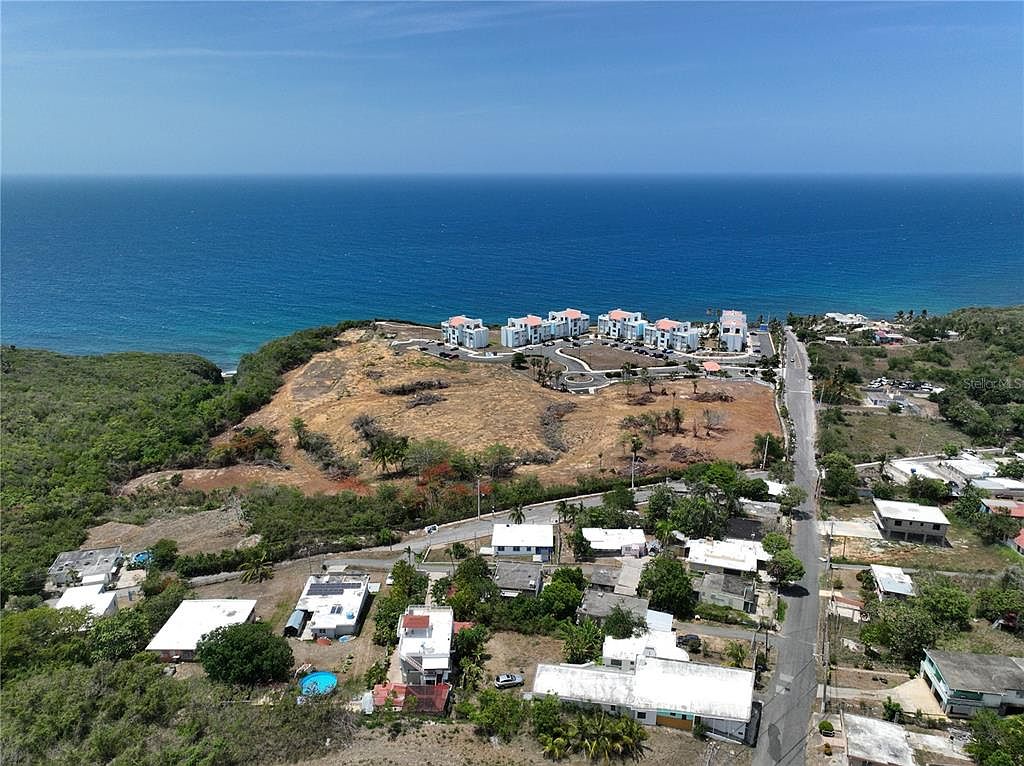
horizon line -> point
(525, 174)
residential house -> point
(604, 579)
(1012, 508)
(670, 334)
(1017, 543)
(623, 653)
(570, 323)
(732, 330)
(95, 598)
(195, 618)
(95, 566)
(887, 337)
(515, 578)
(425, 644)
(837, 340)
(597, 605)
(525, 331)
(661, 692)
(847, 608)
(466, 332)
(870, 742)
(891, 582)
(966, 469)
(898, 520)
(729, 556)
(1001, 487)
(728, 590)
(616, 542)
(965, 683)
(430, 699)
(523, 540)
(331, 604)
(622, 325)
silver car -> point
(508, 680)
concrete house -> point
(729, 556)
(515, 578)
(193, 619)
(1001, 486)
(965, 683)
(1012, 508)
(728, 590)
(911, 522)
(732, 330)
(95, 598)
(425, 644)
(622, 325)
(623, 653)
(670, 334)
(616, 542)
(570, 323)
(603, 579)
(466, 332)
(331, 605)
(96, 566)
(597, 605)
(528, 540)
(870, 742)
(661, 692)
(892, 583)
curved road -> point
(785, 720)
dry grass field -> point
(483, 404)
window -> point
(935, 526)
(898, 522)
(515, 548)
(616, 663)
(641, 716)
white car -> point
(431, 529)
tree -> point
(699, 517)
(906, 629)
(659, 504)
(767, 449)
(677, 417)
(663, 531)
(773, 542)
(582, 643)
(499, 715)
(892, 710)
(647, 379)
(996, 741)
(620, 623)
(619, 498)
(572, 575)
(257, 570)
(792, 497)
(581, 549)
(517, 515)
(737, 653)
(164, 552)
(785, 568)
(497, 461)
(561, 599)
(667, 584)
(840, 477)
(967, 507)
(947, 603)
(248, 653)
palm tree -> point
(737, 653)
(257, 570)
(646, 377)
(676, 416)
(560, 509)
(554, 747)
(663, 530)
(408, 553)
(517, 515)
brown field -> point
(607, 358)
(518, 653)
(203, 532)
(485, 404)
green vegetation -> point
(409, 587)
(667, 584)
(582, 642)
(245, 654)
(621, 623)
(863, 435)
(997, 741)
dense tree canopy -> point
(245, 654)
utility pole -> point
(478, 497)
(764, 458)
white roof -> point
(336, 599)
(892, 580)
(775, 488)
(654, 643)
(613, 539)
(913, 467)
(683, 687)
(730, 553)
(659, 620)
(523, 535)
(197, 617)
(432, 642)
(970, 467)
(877, 741)
(999, 482)
(897, 509)
(91, 597)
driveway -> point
(865, 528)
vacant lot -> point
(517, 653)
(982, 638)
(206, 531)
(608, 358)
(868, 433)
(482, 405)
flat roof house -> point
(870, 742)
(622, 325)
(660, 692)
(667, 333)
(892, 582)
(515, 578)
(95, 598)
(598, 604)
(523, 540)
(728, 590)
(965, 683)
(729, 556)
(332, 604)
(623, 653)
(732, 330)
(193, 619)
(95, 566)
(463, 331)
(616, 542)
(602, 578)
(425, 644)
(1001, 486)
(898, 520)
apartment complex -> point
(622, 325)
(732, 330)
(670, 334)
(463, 331)
(532, 329)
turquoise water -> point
(320, 682)
(217, 266)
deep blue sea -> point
(216, 266)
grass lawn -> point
(847, 512)
(868, 433)
(982, 638)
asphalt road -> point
(790, 697)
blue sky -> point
(813, 87)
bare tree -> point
(712, 420)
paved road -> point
(789, 699)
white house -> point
(965, 683)
(524, 331)
(732, 330)
(622, 325)
(523, 540)
(99, 601)
(623, 653)
(729, 556)
(570, 323)
(425, 644)
(1001, 486)
(615, 542)
(870, 742)
(910, 522)
(659, 692)
(463, 331)
(96, 566)
(670, 334)
(193, 619)
(891, 582)
(966, 469)
(332, 604)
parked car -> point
(690, 641)
(508, 680)
(431, 529)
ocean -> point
(216, 266)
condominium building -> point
(463, 331)
(570, 323)
(622, 325)
(670, 334)
(532, 329)
(732, 330)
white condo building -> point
(670, 334)
(622, 325)
(463, 331)
(532, 329)
(569, 323)
(732, 330)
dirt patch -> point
(516, 653)
(607, 358)
(484, 404)
(203, 532)
(966, 553)
(855, 678)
